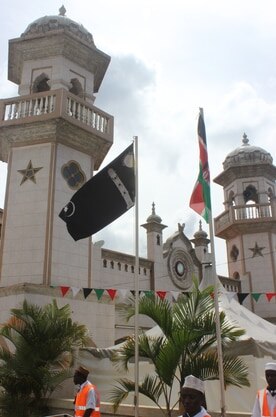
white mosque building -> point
(52, 138)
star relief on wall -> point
(29, 173)
(257, 250)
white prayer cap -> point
(194, 383)
(270, 366)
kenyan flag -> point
(201, 199)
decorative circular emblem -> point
(73, 174)
(180, 267)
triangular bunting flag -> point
(99, 293)
(86, 292)
(75, 291)
(123, 293)
(161, 294)
(242, 296)
(185, 293)
(175, 295)
(111, 293)
(270, 295)
(256, 296)
(64, 290)
(148, 293)
(133, 292)
(230, 296)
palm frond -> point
(187, 344)
(150, 387)
(39, 351)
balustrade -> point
(27, 107)
(87, 115)
(243, 213)
(59, 103)
(252, 211)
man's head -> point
(80, 375)
(192, 394)
(270, 375)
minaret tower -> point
(53, 138)
(154, 229)
(248, 223)
(201, 243)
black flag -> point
(103, 198)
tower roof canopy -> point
(154, 217)
(246, 161)
(52, 36)
(61, 22)
(247, 154)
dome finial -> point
(62, 11)
(200, 234)
(200, 225)
(245, 140)
(153, 217)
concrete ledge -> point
(64, 407)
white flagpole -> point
(136, 277)
(218, 329)
(216, 302)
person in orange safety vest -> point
(265, 403)
(87, 400)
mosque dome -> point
(154, 217)
(247, 154)
(47, 24)
(200, 234)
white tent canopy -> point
(257, 346)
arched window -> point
(270, 194)
(250, 195)
(236, 275)
(231, 198)
(41, 83)
(158, 240)
(234, 253)
(251, 199)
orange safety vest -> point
(81, 399)
(265, 412)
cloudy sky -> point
(168, 59)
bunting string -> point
(122, 294)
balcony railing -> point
(57, 103)
(243, 213)
(22, 108)
(230, 284)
